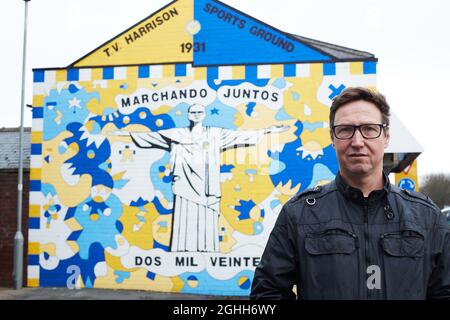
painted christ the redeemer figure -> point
(195, 168)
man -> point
(195, 167)
(358, 237)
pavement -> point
(101, 294)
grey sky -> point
(408, 37)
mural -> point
(170, 177)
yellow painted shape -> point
(73, 245)
(35, 174)
(320, 135)
(96, 74)
(34, 248)
(238, 72)
(69, 195)
(73, 224)
(200, 73)
(61, 75)
(160, 234)
(32, 283)
(132, 72)
(36, 137)
(356, 68)
(157, 39)
(38, 101)
(49, 248)
(35, 211)
(277, 71)
(228, 241)
(177, 284)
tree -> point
(437, 187)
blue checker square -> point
(38, 112)
(251, 72)
(35, 185)
(108, 73)
(289, 70)
(39, 76)
(329, 69)
(73, 75)
(33, 260)
(34, 223)
(369, 67)
(144, 72)
(180, 70)
(212, 73)
(36, 149)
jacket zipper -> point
(366, 241)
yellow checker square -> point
(61, 75)
(238, 72)
(35, 174)
(132, 72)
(38, 101)
(34, 248)
(356, 68)
(97, 74)
(168, 70)
(34, 211)
(33, 283)
(36, 137)
(200, 73)
(277, 71)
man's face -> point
(359, 157)
(196, 113)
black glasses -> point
(368, 131)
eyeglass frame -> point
(382, 127)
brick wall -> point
(8, 222)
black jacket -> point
(332, 243)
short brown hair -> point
(360, 93)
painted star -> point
(215, 111)
(74, 103)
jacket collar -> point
(357, 196)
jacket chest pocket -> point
(403, 254)
(331, 241)
(330, 264)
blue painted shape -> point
(163, 224)
(151, 275)
(247, 40)
(73, 89)
(33, 260)
(73, 75)
(249, 108)
(289, 70)
(47, 189)
(282, 115)
(38, 76)
(46, 256)
(144, 71)
(180, 70)
(295, 96)
(74, 235)
(38, 113)
(59, 276)
(329, 69)
(138, 203)
(274, 203)
(34, 223)
(119, 226)
(321, 172)
(36, 149)
(108, 73)
(47, 159)
(226, 168)
(160, 208)
(121, 276)
(369, 67)
(35, 185)
(251, 171)
(244, 209)
(159, 245)
(279, 83)
(257, 228)
(335, 91)
(70, 213)
(214, 111)
(312, 126)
